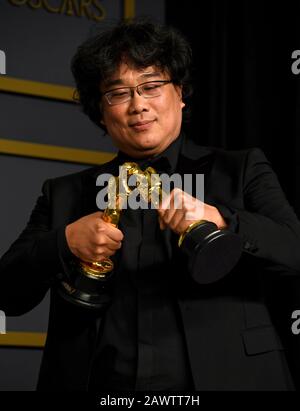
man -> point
(162, 329)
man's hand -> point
(179, 210)
(92, 239)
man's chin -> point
(147, 147)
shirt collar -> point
(162, 162)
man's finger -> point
(113, 233)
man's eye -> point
(119, 93)
(151, 86)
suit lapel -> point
(90, 189)
(195, 159)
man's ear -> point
(101, 113)
(179, 92)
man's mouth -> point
(142, 125)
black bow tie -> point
(160, 164)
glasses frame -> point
(133, 89)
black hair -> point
(138, 41)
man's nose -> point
(138, 103)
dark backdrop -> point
(246, 95)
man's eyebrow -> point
(116, 82)
(120, 82)
(153, 74)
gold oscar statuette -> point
(211, 252)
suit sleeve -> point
(33, 262)
(268, 224)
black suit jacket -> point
(230, 334)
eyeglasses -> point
(147, 90)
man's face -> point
(142, 127)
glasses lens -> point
(119, 96)
(151, 89)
